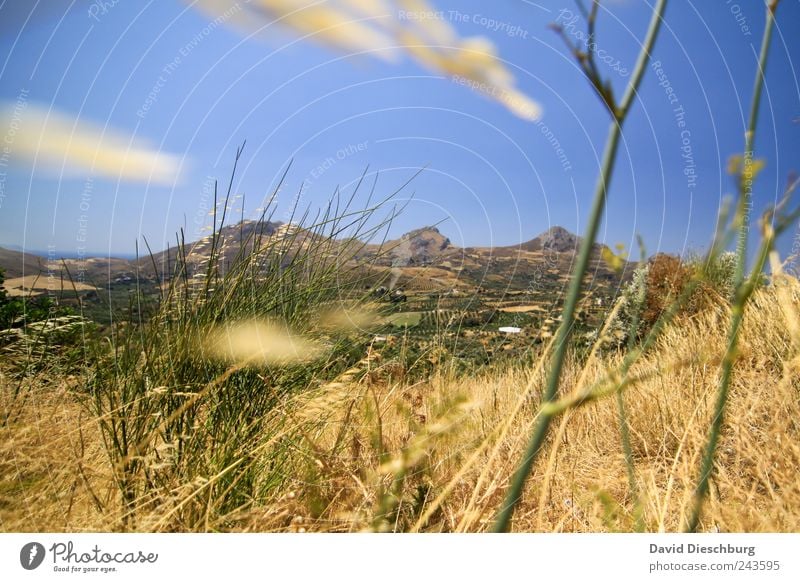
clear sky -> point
(156, 72)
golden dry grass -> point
(52, 462)
(35, 284)
(369, 451)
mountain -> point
(420, 246)
(227, 241)
(423, 259)
(556, 239)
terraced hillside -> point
(472, 285)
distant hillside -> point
(16, 263)
(32, 274)
(426, 259)
(423, 259)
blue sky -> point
(154, 71)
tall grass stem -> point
(514, 495)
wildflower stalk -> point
(743, 289)
(619, 114)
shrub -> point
(659, 282)
(666, 277)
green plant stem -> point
(503, 519)
(744, 206)
(743, 290)
(737, 315)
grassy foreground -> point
(371, 450)
(248, 397)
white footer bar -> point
(401, 557)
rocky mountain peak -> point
(559, 239)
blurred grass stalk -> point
(619, 113)
(743, 288)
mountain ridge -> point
(423, 258)
(555, 238)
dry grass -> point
(36, 284)
(369, 451)
(53, 475)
